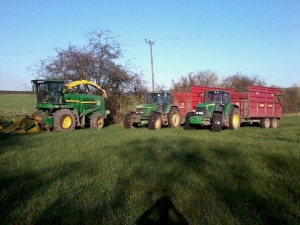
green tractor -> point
(157, 111)
(60, 107)
(216, 111)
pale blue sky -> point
(257, 37)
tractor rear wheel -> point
(64, 120)
(187, 125)
(273, 123)
(216, 122)
(265, 123)
(234, 119)
(96, 121)
(174, 118)
(128, 121)
(155, 121)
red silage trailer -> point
(259, 104)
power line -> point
(238, 32)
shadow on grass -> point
(223, 190)
(229, 176)
(162, 212)
(18, 188)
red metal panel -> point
(184, 102)
(263, 102)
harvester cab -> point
(48, 92)
(157, 111)
(216, 111)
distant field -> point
(139, 176)
(16, 104)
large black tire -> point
(265, 123)
(234, 119)
(174, 118)
(96, 121)
(216, 122)
(128, 121)
(273, 123)
(64, 120)
(154, 122)
(187, 125)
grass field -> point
(12, 105)
(138, 176)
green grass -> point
(119, 176)
(12, 105)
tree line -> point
(97, 61)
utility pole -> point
(150, 44)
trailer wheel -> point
(187, 125)
(234, 119)
(97, 121)
(273, 123)
(64, 120)
(216, 122)
(128, 121)
(155, 121)
(265, 123)
(174, 118)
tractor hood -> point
(146, 106)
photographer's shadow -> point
(162, 212)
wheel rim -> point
(235, 120)
(267, 123)
(274, 123)
(175, 119)
(66, 122)
(99, 122)
(157, 123)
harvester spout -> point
(70, 86)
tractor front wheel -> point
(265, 123)
(96, 121)
(174, 118)
(187, 125)
(64, 120)
(216, 122)
(128, 121)
(234, 119)
(155, 121)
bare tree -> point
(240, 82)
(96, 61)
(200, 78)
(291, 99)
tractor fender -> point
(227, 110)
(169, 107)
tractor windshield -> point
(158, 98)
(50, 92)
(216, 97)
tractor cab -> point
(217, 97)
(158, 98)
(48, 91)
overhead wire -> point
(238, 32)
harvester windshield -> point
(48, 91)
(158, 98)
